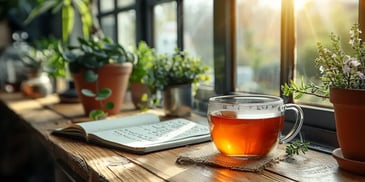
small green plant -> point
(89, 56)
(296, 147)
(178, 68)
(145, 58)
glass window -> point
(108, 26)
(198, 30)
(127, 28)
(106, 5)
(314, 23)
(124, 3)
(258, 46)
(165, 27)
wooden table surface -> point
(94, 163)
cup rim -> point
(218, 99)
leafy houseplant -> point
(100, 69)
(176, 69)
(343, 82)
(169, 73)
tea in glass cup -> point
(249, 126)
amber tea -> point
(245, 136)
(249, 126)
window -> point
(198, 30)
(118, 20)
(258, 46)
(108, 26)
(165, 27)
(127, 28)
(313, 23)
(124, 3)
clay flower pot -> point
(137, 91)
(112, 76)
(349, 109)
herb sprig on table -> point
(296, 147)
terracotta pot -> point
(349, 108)
(112, 76)
(137, 91)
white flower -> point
(352, 62)
(352, 33)
(349, 64)
(346, 69)
(361, 75)
(321, 69)
(351, 42)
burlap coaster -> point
(208, 155)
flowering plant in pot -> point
(100, 70)
(343, 82)
(175, 75)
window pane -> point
(165, 27)
(127, 28)
(108, 26)
(106, 5)
(123, 3)
(258, 46)
(198, 30)
(315, 20)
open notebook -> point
(142, 133)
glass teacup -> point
(249, 126)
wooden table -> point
(83, 161)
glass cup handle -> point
(298, 122)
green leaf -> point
(97, 114)
(144, 97)
(86, 17)
(103, 94)
(68, 15)
(90, 76)
(88, 93)
(294, 148)
(57, 6)
(299, 95)
(109, 105)
(43, 7)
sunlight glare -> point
(300, 4)
(274, 4)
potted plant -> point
(37, 84)
(343, 82)
(175, 75)
(100, 70)
(139, 89)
